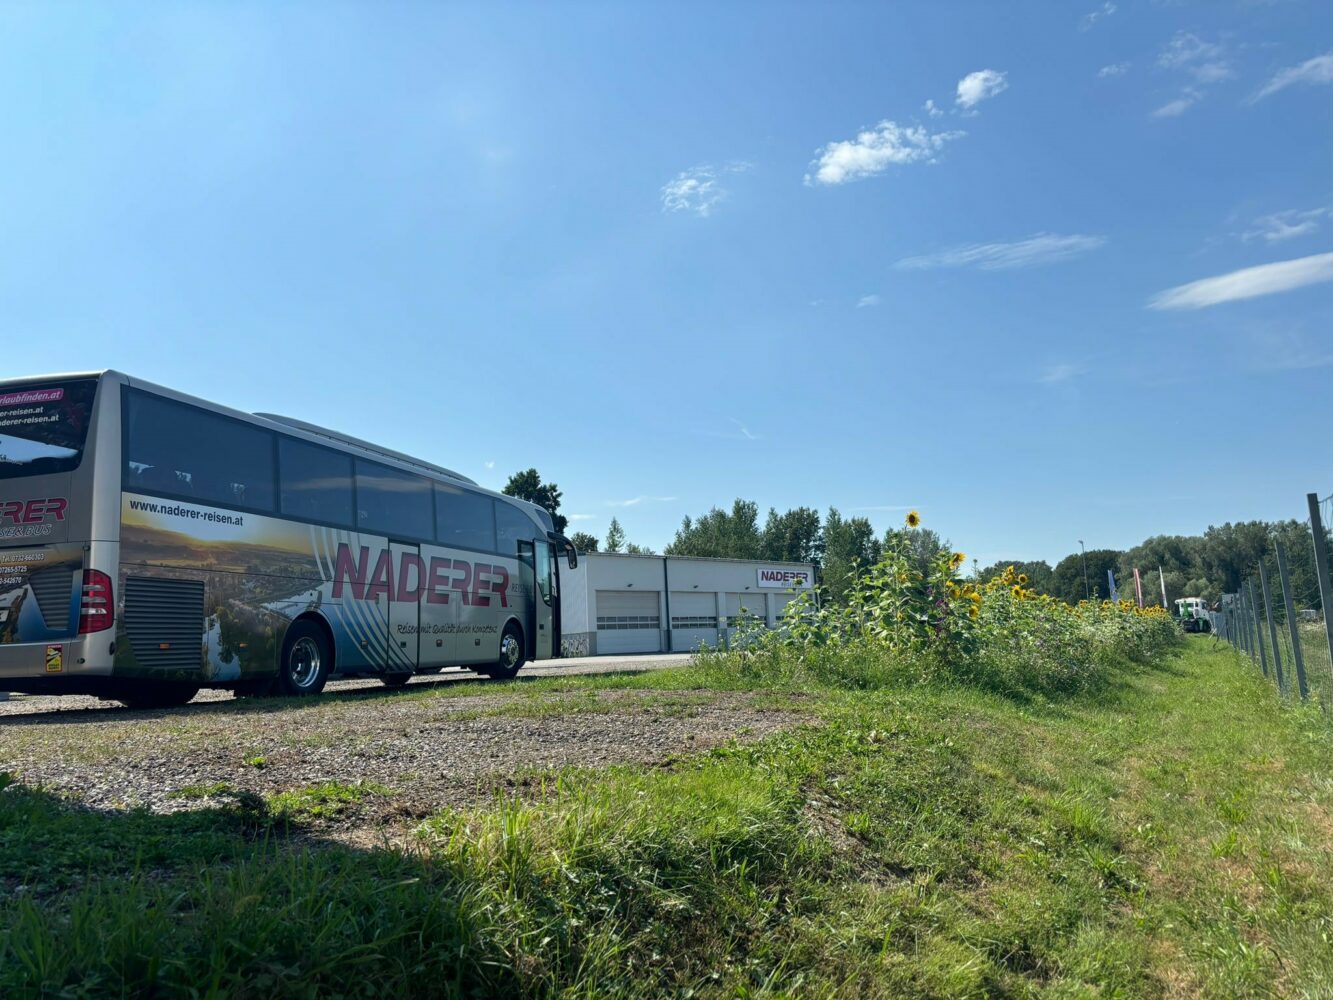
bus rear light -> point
(96, 609)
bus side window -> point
(511, 527)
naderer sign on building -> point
(784, 578)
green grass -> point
(1169, 833)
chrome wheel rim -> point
(304, 662)
(509, 652)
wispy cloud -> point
(1090, 19)
(1113, 69)
(1312, 71)
(1247, 283)
(865, 301)
(699, 190)
(932, 109)
(980, 86)
(1280, 226)
(1202, 63)
(635, 501)
(582, 517)
(1177, 107)
(490, 464)
(1284, 350)
(1043, 248)
(875, 150)
(1056, 374)
(745, 431)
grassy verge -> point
(1167, 833)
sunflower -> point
(1017, 592)
(957, 559)
(1022, 579)
(913, 519)
(974, 597)
(973, 611)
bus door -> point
(534, 559)
(405, 607)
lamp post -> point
(1087, 594)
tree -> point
(638, 550)
(615, 536)
(528, 485)
(924, 544)
(721, 534)
(1041, 577)
(584, 542)
(849, 546)
(1068, 576)
(795, 536)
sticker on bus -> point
(55, 659)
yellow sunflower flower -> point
(957, 559)
(913, 519)
(1022, 579)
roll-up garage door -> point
(628, 621)
(745, 605)
(693, 620)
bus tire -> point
(511, 656)
(395, 680)
(306, 661)
(162, 694)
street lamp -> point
(1087, 594)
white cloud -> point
(1280, 226)
(980, 86)
(582, 517)
(1055, 374)
(1043, 248)
(699, 189)
(1173, 109)
(1090, 19)
(874, 150)
(490, 465)
(932, 109)
(867, 300)
(1204, 63)
(1113, 69)
(745, 431)
(635, 501)
(1247, 283)
(1312, 71)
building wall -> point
(631, 604)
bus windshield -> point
(43, 426)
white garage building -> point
(616, 603)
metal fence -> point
(1282, 625)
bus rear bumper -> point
(75, 665)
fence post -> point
(1285, 579)
(1272, 627)
(1258, 628)
(1321, 567)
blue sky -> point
(674, 254)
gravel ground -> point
(427, 750)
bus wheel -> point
(395, 680)
(305, 660)
(511, 654)
(156, 695)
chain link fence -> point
(1279, 618)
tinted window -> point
(464, 519)
(174, 448)
(316, 483)
(511, 527)
(43, 427)
(391, 502)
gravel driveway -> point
(427, 747)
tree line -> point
(1206, 565)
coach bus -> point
(153, 544)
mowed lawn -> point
(1169, 835)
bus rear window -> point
(43, 426)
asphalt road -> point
(22, 704)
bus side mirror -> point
(571, 553)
